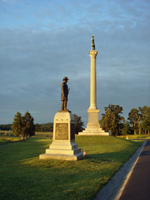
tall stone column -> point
(93, 111)
(93, 126)
(93, 55)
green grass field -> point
(44, 135)
(7, 139)
(134, 137)
(24, 176)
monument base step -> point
(63, 151)
(75, 157)
(63, 145)
(94, 132)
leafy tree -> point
(133, 118)
(126, 128)
(44, 127)
(37, 127)
(146, 119)
(139, 118)
(50, 127)
(78, 124)
(5, 127)
(17, 125)
(100, 122)
(146, 124)
(112, 120)
(108, 122)
(29, 127)
(23, 125)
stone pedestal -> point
(93, 127)
(63, 146)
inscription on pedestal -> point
(93, 117)
(61, 131)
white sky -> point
(43, 41)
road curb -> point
(114, 188)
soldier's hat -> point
(65, 78)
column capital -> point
(93, 54)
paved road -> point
(138, 185)
(114, 188)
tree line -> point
(138, 120)
(24, 125)
(5, 127)
(46, 127)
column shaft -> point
(93, 80)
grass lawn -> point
(134, 137)
(24, 176)
(5, 139)
(8, 139)
(44, 135)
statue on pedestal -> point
(63, 146)
(64, 94)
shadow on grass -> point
(121, 156)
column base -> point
(89, 131)
(93, 127)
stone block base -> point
(63, 146)
(94, 132)
(75, 157)
(93, 127)
(63, 150)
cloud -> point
(43, 42)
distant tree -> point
(23, 125)
(17, 125)
(5, 127)
(134, 119)
(108, 122)
(78, 124)
(140, 118)
(145, 110)
(112, 120)
(146, 124)
(50, 127)
(37, 127)
(29, 127)
(47, 127)
(126, 128)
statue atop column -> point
(64, 94)
(93, 126)
(92, 43)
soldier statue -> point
(64, 94)
(92, 43)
